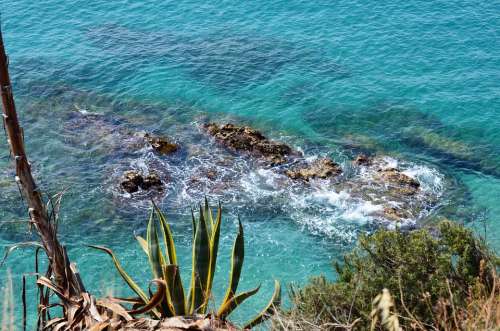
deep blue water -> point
(416, 81)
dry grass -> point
(481, 312)
(7, 295)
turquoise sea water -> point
(416, 81)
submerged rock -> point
(161, 145)
(244, 138)
(320, 168)
(133, 180)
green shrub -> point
(418, 268)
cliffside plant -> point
(170, 298)
(430, 273)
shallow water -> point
(414, 81)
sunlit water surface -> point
(415, 81)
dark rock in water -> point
(161, 144)
(243, 138)
(320, 168)
(151, 180)
(399, 181)
(362, 160)
(133, 180)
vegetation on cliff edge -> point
(441, 278)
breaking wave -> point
(337, 209)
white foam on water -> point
(430, 179)
(336, 214)
(320, 206)
(390, 162)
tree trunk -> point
(39, 217)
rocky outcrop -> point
(398, 181)
(395, 214)
(151, 181)
(362, 160)
(320, 168)
(161, 145)
(132, 180)
(244, 138)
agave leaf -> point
(201, 266)
(238, 256)
(190, 297)
(194, 224)
(175, 289)
(214, 249)
(143, 243)
(209, 216)
(156, 299)
(157, 262)
(156, 259)
(133, 285)
(168, 238)
(12, 248)
(270, 308)
(228, 307)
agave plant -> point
(170, 299)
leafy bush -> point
(421, 269)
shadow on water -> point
(386, 127)
(220, 59)
(91, 139)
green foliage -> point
(419, 268)
(169, 299)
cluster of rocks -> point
(390, 177)
(133, 180)
(376, 180)
(383, 180)
(246, 139)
